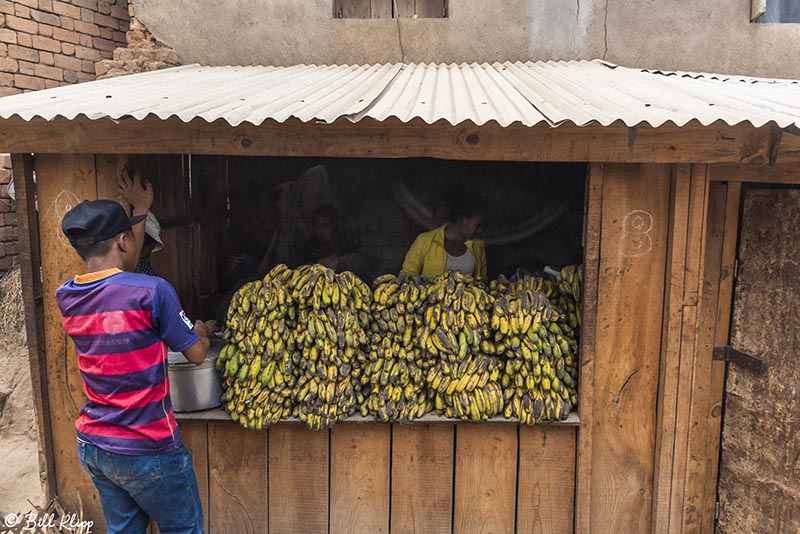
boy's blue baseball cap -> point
(93, 221)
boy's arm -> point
(197, 352)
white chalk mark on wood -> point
(65, 201)
(636, 229)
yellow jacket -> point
(427, 255)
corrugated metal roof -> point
(577, 92)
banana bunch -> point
(394, 367)
(521, 281)
(469, 390)
(538, 384)
(333, 315)
(569, 283)
(256, 364)
(456, 320)
(454, 333)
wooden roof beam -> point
(718, 143)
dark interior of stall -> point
(226, 220)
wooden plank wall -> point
(703, 234)
(374, 477)
(33, 298)
(633, 245)
(687, 226)
(416, 478)
(62, 182)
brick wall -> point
(144, 53)
(47, 43)
(44, 44)
(8, 219)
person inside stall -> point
(152, 235)
(327, 247)
(122, 324)
(452, 246)
(152, 243)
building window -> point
(775, 10)
(390, 9)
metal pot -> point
(195, 387)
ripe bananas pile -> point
(312, 344)
(333, 314)
(455, 334)
(256, 364)
(537, 344)
(395, 367)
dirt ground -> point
(19, 482)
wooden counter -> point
(432, 475)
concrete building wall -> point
(715, 35)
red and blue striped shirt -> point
(121, 324)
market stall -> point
(652, 225)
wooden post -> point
(687, 226)
(591, 272)
(33, 298)
(722, 336)
(63, 181)
(635, 216)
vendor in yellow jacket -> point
(452, 247)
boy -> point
(121, 323)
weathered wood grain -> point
(635, 215)
(697, 464)
(422, 478)
(778, 174)
(674, 311)
(33, 299)
(195, 437)
(721, 335)
(392, 138)
(380, 9)
(360, 457)
(759, 472)
(591, 273)
(405, 8)
(351, 9)
(691, 306)
(237, 465)
(486, 479)
(298, 480)
(62, 182)
(434, 9)
(546, 492)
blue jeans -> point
(161, 486)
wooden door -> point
(759, 483)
